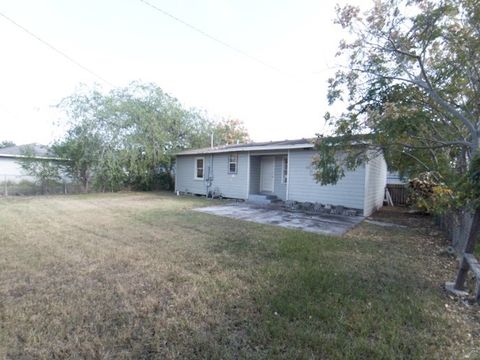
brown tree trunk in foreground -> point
(469, 248)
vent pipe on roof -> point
(211, 140)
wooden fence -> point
(457, 225)
(398, 193)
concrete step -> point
(262, 199)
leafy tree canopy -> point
(412, 89)
(43, 170)
(6, 143)
(129, 135)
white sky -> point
(126, 40)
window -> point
(285, 170)
(199, 168)
(232, 163)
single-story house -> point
(280, 168)
(10, 168)
(393, 177)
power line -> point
(69, 58)
(211, 37)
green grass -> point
(143, 276)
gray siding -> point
(375, 182)
(359, 189)
(349, 191)
(279, 189)
(185, 175)
(230, 185)
(216, 168)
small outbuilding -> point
(281, 169)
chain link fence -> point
(22, 185)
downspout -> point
(176, 186)
(209, 177)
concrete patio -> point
(321, 224)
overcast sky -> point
(126, 40)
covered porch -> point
(268, 176)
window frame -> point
(285, 170)
(196, 168)
(229, 162)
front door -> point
(267, 166)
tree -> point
(128, 136)
(82, 147)
(6, 143)
(43, 170)
(230, 131)
(412, 85)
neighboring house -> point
(393, 177)
(281, 168)
(10, 168)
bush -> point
(163, 181)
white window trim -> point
(236, 164)
(285, 179)
(195, 168)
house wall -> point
(230, 185)
(393, 177)
(375, 182)
(11, 170)
(349, 191)
(216, 169)
(185, 179)
(359, 189)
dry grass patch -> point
(142, 276)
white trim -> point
(248, 175)
(270, 153)
(33, 157)
(229, 163)
(288, 175)
(195, 168)
(246, 149)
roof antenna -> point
(211, 140)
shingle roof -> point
(39, 151)
(253, 146)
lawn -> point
(141, 275)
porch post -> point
(288, 174)
(248, 175)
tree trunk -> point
(469, 248)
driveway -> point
(320, 224)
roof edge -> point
(244, 148)
(32, 157)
